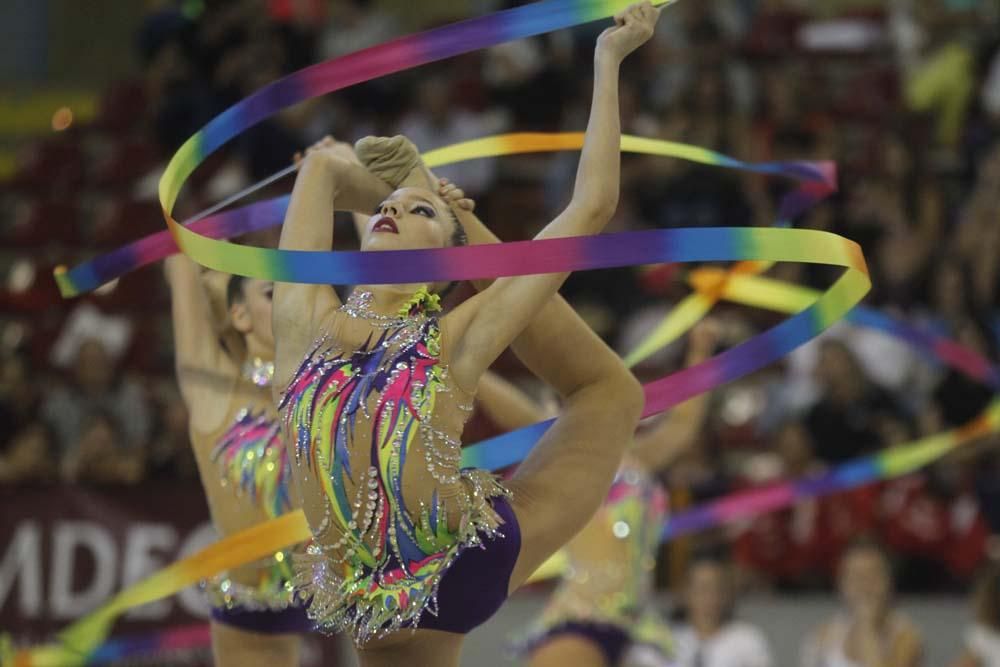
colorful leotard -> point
(253, 461)
(604, 597)
(384, 418)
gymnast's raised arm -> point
(487, 323)
(203, 367)
(330, 176)
(675, 432)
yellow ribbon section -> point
(255, 543)
(693, 308)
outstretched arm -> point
(329, 176)
(550, 346)
(675, 432)
(487, 323)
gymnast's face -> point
(251, 312)
(865, 578)
(410, 219)
(707, 594)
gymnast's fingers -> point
(453, 192)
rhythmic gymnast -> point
(603, 606)
(224, 355)
(377, 390)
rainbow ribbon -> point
(462, 263)
(700, 244)
(818, 179)
(783, 297)
(888, 464)
(390, 57)
(767, 293)
(175, 639)
(81, 639)
(894, 462)
(740, 285)
(897, 461)
(551, 255)
(115, 650)
(568, 254)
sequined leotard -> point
(248, 459)
(606, 593)
(376, 431)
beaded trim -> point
(383, 570)
(258, 371)
(370, 603)
(274, 592)
(413, 312)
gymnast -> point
(376, 392)
(603, 607)
(224, 355)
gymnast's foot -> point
(396, 161)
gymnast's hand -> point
(454, 196)
(329, 146)
(633, 28)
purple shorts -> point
(610, 639)
(290, 621)
(475, 586)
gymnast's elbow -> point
(596, 211)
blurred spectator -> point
(914, 132)
(868, 632)
(19, 395)
(710, 634)
(98, 391)
(991, 87)
(957, 399)
(437, 120)
(27, 456)
(99, 456)
(530, 78)
(934, 533)
(982, 639)
(899, 211)
(170, 456)
(178, 102)
(702, 34)
(800, 547)
(686, 194)
(845, 422)
(354, 25)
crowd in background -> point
(904, 96)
